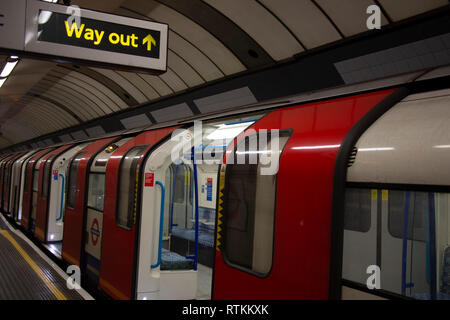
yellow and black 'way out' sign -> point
(101, 35)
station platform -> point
(27, 274)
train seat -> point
(173, 261)
(204, 238)
(444, 293)
(445, 286)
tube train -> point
(308, 194)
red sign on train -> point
(149, 179)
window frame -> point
(35, 175)
(370, 208)
(26, 178)
(69, 180)
(412, 214)
(46, 181)
(88, 189)
(436, 189)
(225, 191)
(144, 148)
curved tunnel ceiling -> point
(208, 40)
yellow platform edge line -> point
(58, 294)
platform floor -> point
(26, 275)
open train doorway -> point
(178, 213)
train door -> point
(57, 195)
(169, 254)
(75, 212)
(35, 193)
(8, 184)
(93, 225)
(46, 176)
(16, 183)
(30, 188)
(119, 216)
(3, 177)
(23, 176)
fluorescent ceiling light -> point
(44, 16)
(376, 149)
(228, 131)
(8, 69)
(2, 81)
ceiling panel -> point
(183, 70)
(200, 62)
(114, 102)
(84, 112)
(173, 81)
(159, 85)
(140, 84)
(261, 25)
(339, 12)
(402, 9)
(63, 116)
(124, 83)
(76, 93)
(4, 142)
(201, 38)
(47, 119)
(305, 20)
(16, 131)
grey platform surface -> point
(19, 281)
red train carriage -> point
(74, 219)
(119, 216)
(7, 181)
(45, 178)
(280, 249)
(17, 174)
(30, 189)
(3, 162)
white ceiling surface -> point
(41, 97)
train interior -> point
(397, 217)
(183, 211)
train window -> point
(73, 178)
(25, 183)
(180, 181)
(412, 247)
(35, 180)
(416, 210)
(249, 204)
(128, 184)
(46, 176)
(357, 209)
(96, 191)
